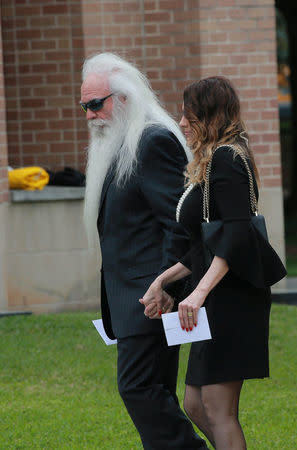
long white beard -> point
(106, 138)
(117, 141)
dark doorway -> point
(286, 14)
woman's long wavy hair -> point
(212, 107)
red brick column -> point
(3, 185)
(237, 39)
(3, 137)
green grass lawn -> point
(58, 387)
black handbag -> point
(210, 228)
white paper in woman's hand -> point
(175, 335)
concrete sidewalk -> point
(292, 284)
(288, 294)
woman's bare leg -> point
(220, 403)
(195, 410)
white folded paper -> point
(176, 335)
(100, 328)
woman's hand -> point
(189, 307)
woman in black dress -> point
(235, 289)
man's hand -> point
(152, 310)
(154, 294)
(156, 301)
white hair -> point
(140, 110)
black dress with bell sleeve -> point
(238, 307)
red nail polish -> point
(183, 328)
(190, 329)
(160, 313)
(187, 329)
(195, 324)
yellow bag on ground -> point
(28, 178)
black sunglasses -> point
(95, 104)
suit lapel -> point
(108, 179)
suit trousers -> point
(147, 375)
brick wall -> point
(173, 41)
(40, 76)
(159, 35)
(3, 138)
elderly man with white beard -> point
(136, 159)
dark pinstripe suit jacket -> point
(135, 225)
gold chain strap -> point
(253, 198)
